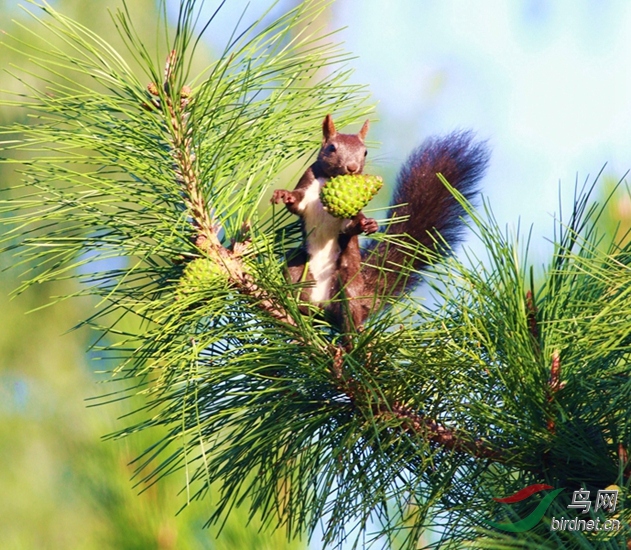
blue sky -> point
(548, 83)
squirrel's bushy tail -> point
(427, 207)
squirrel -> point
(347, 282)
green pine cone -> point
(199, 273)
(344, 196)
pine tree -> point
(503, 382)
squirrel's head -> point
(342, 153)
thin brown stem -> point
(441, 435)
(554, 385)
(531, 313)
(623, 456)
(206, 240)
(409, 420)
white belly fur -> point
(322, 231)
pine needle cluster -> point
(152, 191)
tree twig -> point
(184, 163)
(554, 385)
(410, 420)
(441, 435)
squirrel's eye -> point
(366, 153)
(331, 148)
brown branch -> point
(182, 148)
(623, 456)
(441, 435)
(410, 421)
(554, 385)
(205, 225)
(531, 314)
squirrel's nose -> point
(352, 167)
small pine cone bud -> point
(186, 92)
(199, 273)
(152, 88)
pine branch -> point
(207, 241)
(409, 420)
(503, 382)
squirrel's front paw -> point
(284, 196)
(369, 225)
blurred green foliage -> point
(63, 487)
(616, 216)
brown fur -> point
(359, 282)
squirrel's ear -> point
(364, 130)
(328, 128)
